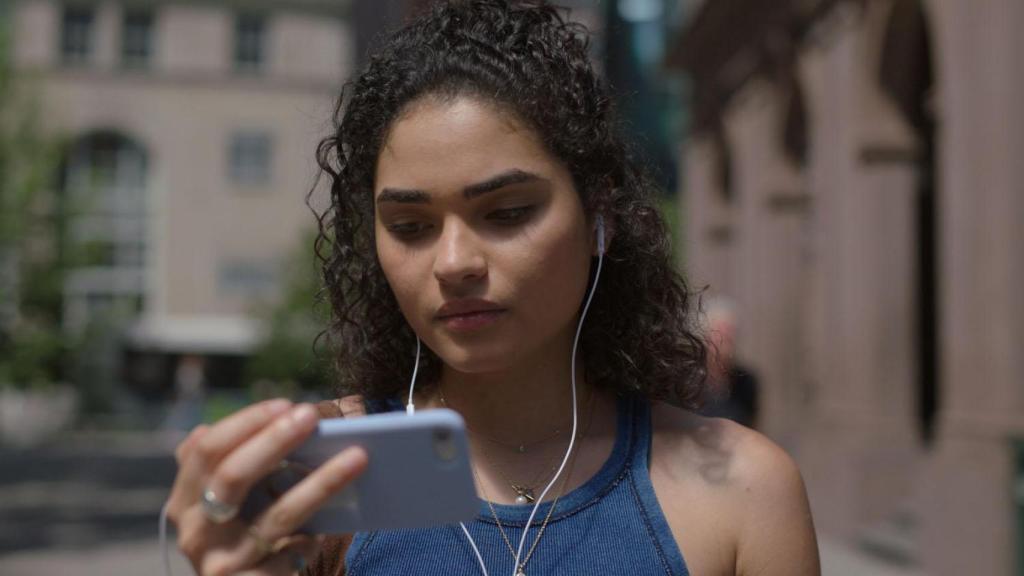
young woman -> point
(479, 194)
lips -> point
(468, 314)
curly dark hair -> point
(525, 57)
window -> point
(137, 39)
(104, 187)
(250, 35)
(250, 158)
(105, 181)
(76, 35)
(248, 278)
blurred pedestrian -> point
(732, 390)
(186, 411)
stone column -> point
(969, 527)
(769, 201)
(861, 452)
(708, 218)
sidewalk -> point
(133, 559)
(837, 559)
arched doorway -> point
(103, 191)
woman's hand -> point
(224, 461)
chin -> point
(475, 359)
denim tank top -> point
(612, 524)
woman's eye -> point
(509, 216)
(408, 230)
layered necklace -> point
(525, 493)
(521, 569)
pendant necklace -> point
(526, 491)
(521, 569)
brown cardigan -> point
(330, 561)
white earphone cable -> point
(410, 408)
(476, 551)
(575, 408)
(164, 552)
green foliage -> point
(27, 157)
(32, 356)
(32, 346)
(669, 208)
(286, 359)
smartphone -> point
(418, 473)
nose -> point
(459, 257)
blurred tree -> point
(288, 358)
(32, 346)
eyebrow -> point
(412, 196)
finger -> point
(294, 507)
(261, 455)
(211, 445)
(252, 553)
(352, 406)
(201, 540)
(291, 558)
(226, 435)
(185, 448)
(289, 512)
(227, 548)
(181, 452)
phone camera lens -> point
(444, 444)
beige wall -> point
(709, 220)
(183, 112)
(766, 254)
(862, 318)
(982, 142)
(832, 332)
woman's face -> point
(481, 235)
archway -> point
(103, 190)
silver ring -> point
(216, 510)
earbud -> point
(599, 226)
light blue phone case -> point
(418, 473)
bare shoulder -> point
(749, 483)
(720, 452)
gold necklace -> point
(526, 491)
(521, 569)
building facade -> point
(191, 130)
(853, 181)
